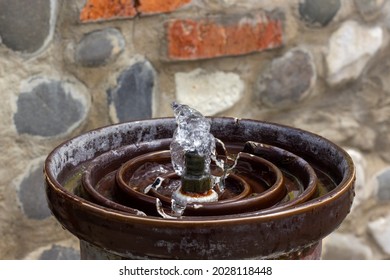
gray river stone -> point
(99, 47)
(58, 252)
(49, 108)
(26, 26)
(131, 99)
(32, 194)
(288, 80)
(318, 12)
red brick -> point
(222, 36)
(160, 6)
(96, 10)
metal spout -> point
(194, 179)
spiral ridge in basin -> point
(256, 184)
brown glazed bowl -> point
(287, 232)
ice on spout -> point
(192, 134)
(193, 146)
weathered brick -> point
(160, 6)
(96, 10)
(189, 39)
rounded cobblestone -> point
(48, 107)
(318, 12)
(99, 47)
(32, 194)
(131, 99)
(288, 80)
(27, 28)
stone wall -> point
(70, 66)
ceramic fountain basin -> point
(290, 231)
